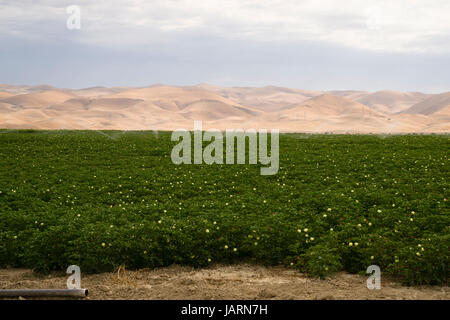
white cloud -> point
(386, 26)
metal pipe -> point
(72, 293)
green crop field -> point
(338, 202)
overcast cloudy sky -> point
(309, 44)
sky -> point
(309, 44)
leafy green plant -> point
(337, 203)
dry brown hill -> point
(39, 99)
(430, 105)
(4, 94)
(267, 99)
(327, 105)
(172, 107)
(391, 101)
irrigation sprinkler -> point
(62, 293)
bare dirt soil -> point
(220, 282)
